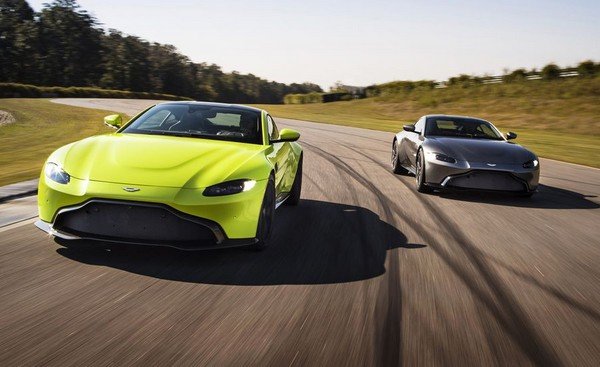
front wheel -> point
(420, 174)
(265, 219)
(396, 167)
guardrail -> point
(497, 79)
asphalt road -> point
(364, 272)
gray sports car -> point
(459, 152)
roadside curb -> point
(17, 190)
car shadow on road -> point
(316, 242)
(547, 197)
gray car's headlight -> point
(54, 172)
(229, 188)
(444, 158)
(531, 164)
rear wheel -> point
(294, 197)
(396, 167)
(420, 174)
(265, 219)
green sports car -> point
(189, 175)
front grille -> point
(132, 222)
(487, 180)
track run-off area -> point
(364, 272)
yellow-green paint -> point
(173, 171)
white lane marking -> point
(306, 318)
(23, 222)
(295, 356)
(536, 268)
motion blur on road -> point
(365, 271)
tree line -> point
(64, 45)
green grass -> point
(41, 126)
(558, 120)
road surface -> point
(364, 272)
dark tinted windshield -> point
(201, 121)
(461, 128)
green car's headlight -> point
(54, 172)
(229, 188)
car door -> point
(414, 141)
(280, 157)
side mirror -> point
(287, 135)
(510, 135)
(409, 128)
(113, 121)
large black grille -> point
(134, 222)
(487, 180)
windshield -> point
(461, 128)
(199, 121)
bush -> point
(15, 90)
(315, 97)
(550, 72)
(312, 97)
(515, 76)
(464, 80)
(587, 69)
(398, 87)
(336, 97)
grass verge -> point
(40, 127)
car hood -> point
(481, 150)
(158, 160)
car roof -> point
(214, 104)
(454, 116)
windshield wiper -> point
(486, 137)
(191, 134)
(170, 132)
(453, 135)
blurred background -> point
(403, 278)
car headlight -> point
(54, 172)
(444, 158)
(229, 188)
(531, 164)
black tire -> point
(294, 197)
(265, 219)
(396, 167)
(420, 174)
(527, 194)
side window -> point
(273, 132)
(420, 125)
(486, 130)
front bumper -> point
(192, 245)
(481, 176)
(166, 216)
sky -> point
(362, 42)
